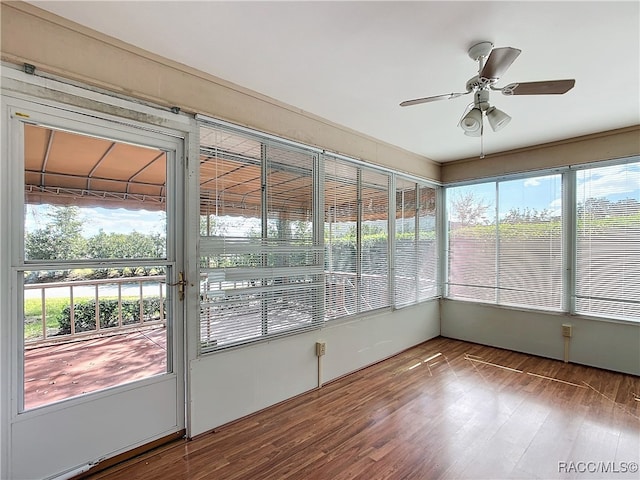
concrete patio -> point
(56, 372)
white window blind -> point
(416, 258)
(269, 266)
(472, 269)
(506, 244)
(428, 258)
(340, 238)
(261, 271)
(356, 237)
(608, 241)
(530, 243)
(374, 241)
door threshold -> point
(128, 455)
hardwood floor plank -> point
(444, 409)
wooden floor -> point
(444, 409)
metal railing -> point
(125, 291)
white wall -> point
(229, 385)
(610, 345)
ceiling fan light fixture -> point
(472, 121)
(497, 119)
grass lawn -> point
(33, 315)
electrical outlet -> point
(321, 349)
(567, 330)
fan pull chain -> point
(482, 140)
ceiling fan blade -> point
(549, 87)
(435, 98)
(500, 59)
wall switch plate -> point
(567, 330)
(321, 349)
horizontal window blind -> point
(266, 267)
(427, 238)
(406, 245)
(244, 297)
(341, 213)
(472, 246)
(416, 258)
(261, 272)
(608, 241)
(356, 239)
(530, 243)
(506, 243)
(374, 240)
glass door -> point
(97, 269)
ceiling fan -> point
(498, 60)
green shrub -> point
(85, 313)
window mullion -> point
(416, 240)
(264, 169)
(569, 228)
(391, 243)
(497, 220)
(318, 234)
(358, 240)
(443, 248)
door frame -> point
(161, 123)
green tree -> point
(214, 228)
(129, 245)
(60, 238)
(469, 210)
(367, 229)
(595, 208)
(526, 215)
(302, 229)
(600, 208)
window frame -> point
(418, 185)
(497, 180)
(570, 231)
(360, 267)
(265, 142)
(572, 300)
(321, 159)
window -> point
(608, 241)
(340, 238)
(416, 250)
(260, 262)
(290, 237)
(356, 237)
(505, 242)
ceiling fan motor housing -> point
(481, 99)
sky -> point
(614, 182)
(111, 220)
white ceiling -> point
(354, 62)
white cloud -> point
(607, 181)
(120, 220)
(555, 204)
(532, 182)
